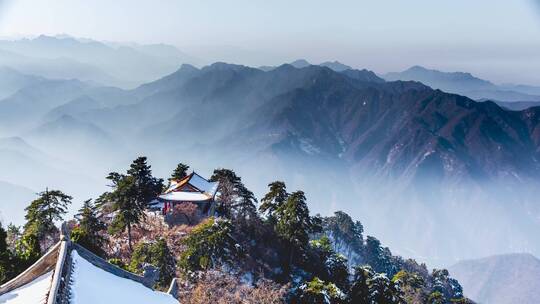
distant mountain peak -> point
(440, 74)
(187, 67)
(453, 82)
(418, 68)
(224, 66)
(336, 66)
(300, 63)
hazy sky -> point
(494, 39)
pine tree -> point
(382, 290)
(318, 291)
(147, 186)
(164, 260)
(129, 211)
(235, 200)
(449, 288)
(131, 195)
(42, 213)
(227, 191)
(244, 208)
(359, 291)
(412, 286)
(374, 288)
(294, 224)
(180, 172)
(88, 233)
(272, 201)
(209, 245)
(28, 250)
(335, 265)
(158, 255)
(378, 257)
(338, 270)
(346, 235)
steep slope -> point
(405, 130)
(501, 279)
(362, 75)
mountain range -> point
(396, 129)
(501, 279)
(65, 57)
(379, 149)
(467, 85)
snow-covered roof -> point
(202, 184)
(206, 189)
(34, 292)
(91, 280)
(87, 279)
(185, 196)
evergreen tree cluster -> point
(19, 250)
(89, 231)
(209, 245)
(158, 255)
(319, 259)
(327, 259)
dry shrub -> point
(151, 229)
(185, 213)
(219, 288)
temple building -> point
(193, 189)
(68, 273)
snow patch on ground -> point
(92, 285)
(34, 292)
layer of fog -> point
(71, 137)
(427, 222)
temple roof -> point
(203, 190)
(68, 273)
(186, 196)
(34, 292)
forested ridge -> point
(271, 250)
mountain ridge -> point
(466, 84)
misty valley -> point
(294, 183)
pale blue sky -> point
(495, 39)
